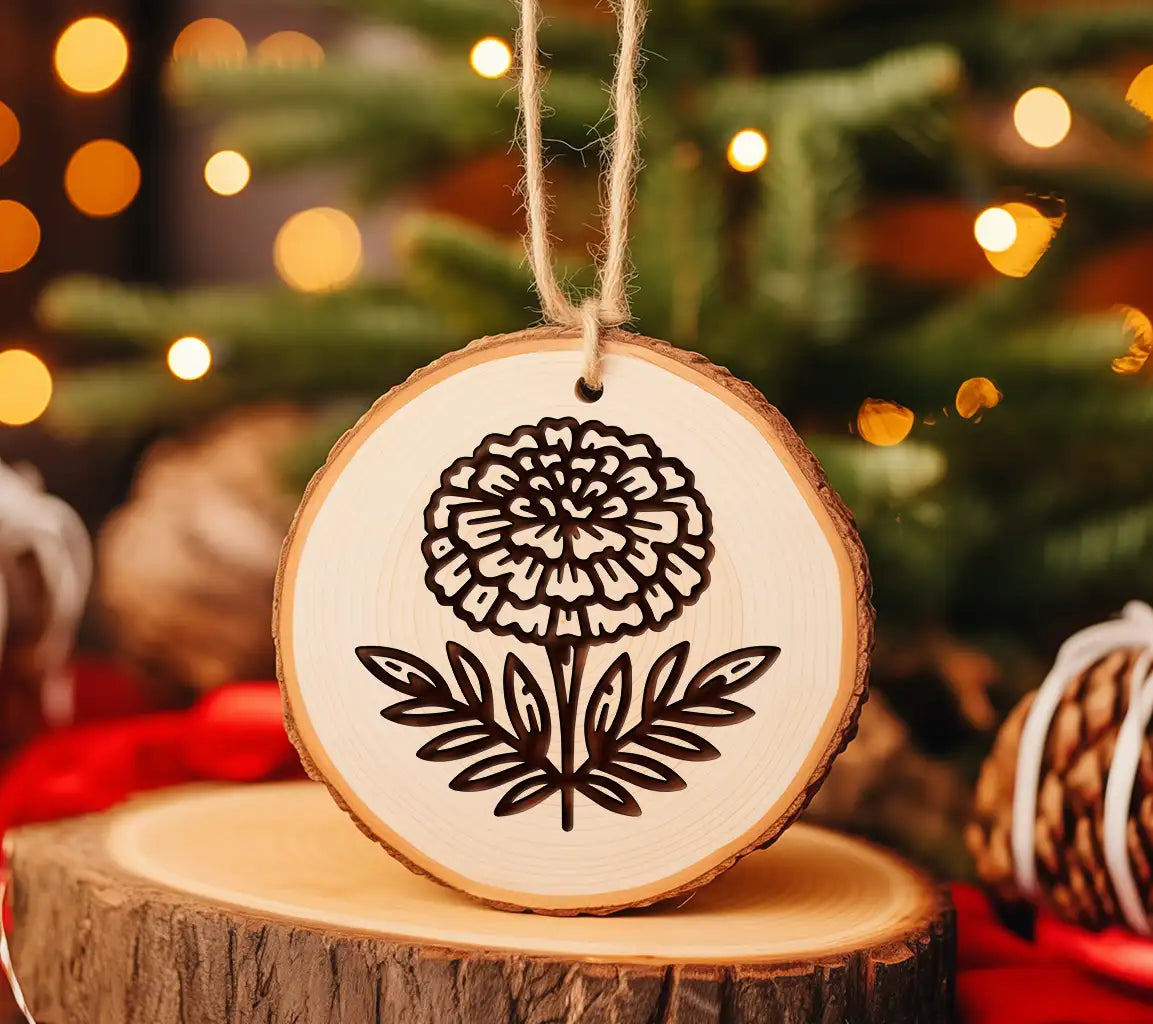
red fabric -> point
(236, 734)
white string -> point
(1134, 629)
(6, 956)
(609, 307)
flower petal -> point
(544, 538)
(616, 582)
(639, 483)
(656, 524)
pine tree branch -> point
(857, 99)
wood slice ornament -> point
(566, 655)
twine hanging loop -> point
(609, 305)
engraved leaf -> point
(679, 743)
(663, 678)
(609, 704)
(458, 743)
(715, 712)
(490, 772)
(425, 711)
(609, 793)
(471, 677)
(724, 676)
(404, 672)
(525, 703)
(526, 794)
(644, 771)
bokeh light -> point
(1035, 232)
(19, 235)
(1140, 92)
(884, 423)
(210, 41)
(748, 150)
(91, 55)
(318, 250)
(189, 358)
(226, 172)
(9, 133)
(995, 229)
(289, 49)
(25, 387)
(1042, 117)
(1140, 332)
(102, 178)
(491, 58)
(976, 394)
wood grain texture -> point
(263, 904)
(818, 704)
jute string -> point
(609, 305)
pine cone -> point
(1071, 872)
(187, 565)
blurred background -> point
(923, 229)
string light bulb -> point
(995, 229)
(210, 41)
(91, 55)
(318, 250)
(189, 358)
(9, 133)
(975, 395)
(102, 178)
(289, 49)
(748, 150)
(491, 57)
(19, 235)
(1139, 95)
(25, 387)
(227, 172)
(1042, 117)
(884, 423)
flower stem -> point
(567, 662)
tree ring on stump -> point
(263, 905)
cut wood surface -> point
(564, 655)
(265, 904)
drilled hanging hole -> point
(586, 392)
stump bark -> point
(265, 904)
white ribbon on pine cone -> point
(47, 528)
(609, 307)
(6, 956)
(1133, 630)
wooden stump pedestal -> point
(264, 904)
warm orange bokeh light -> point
(975, 394)
(491, 57)
(318, 250)
(227, 172)
(9, 133)
(1042, 117)
(189, 358)
(19, 235)
(1140, 332)
(290, 49)
(1140, 92)
(210, 41)
(995, 229)
(1034, 233)
(748, 150)
(884, 423)
(91, 55)
(102, 178)
(25, 387)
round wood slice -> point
(264, 904)
(569, 655)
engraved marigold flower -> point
(567, 531)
